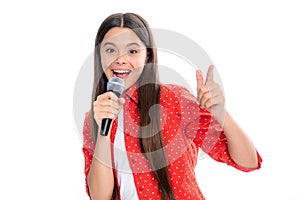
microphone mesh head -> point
(116, 85)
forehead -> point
(121, 36)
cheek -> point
(139, 62)
(105, 64)
(106, 61)
(138, 72)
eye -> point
(132, 51)
(110, 50)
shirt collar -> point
(131, 94)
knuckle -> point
(95, 103)
(209, 103)
(99, 97)
(207, 95)
(204, 89)
(111, 95)
(201, 89)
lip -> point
(121, 73)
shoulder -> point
(181, 98)
(180, 92)
(167, 88)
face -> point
(123, 55)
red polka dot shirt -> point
(185, 128)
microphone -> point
(117, 86)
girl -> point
(152, 146)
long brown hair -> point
(150, 138)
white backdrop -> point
(254, 45)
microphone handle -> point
(105, 126)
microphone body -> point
(117, 86)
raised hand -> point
(210, 95)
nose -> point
(122, 59)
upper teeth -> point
(121, 71)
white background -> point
(255, 46)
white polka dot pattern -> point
(185, 128)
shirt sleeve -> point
(88, 149)
(199, 125)
(212, 141)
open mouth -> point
(121, 73)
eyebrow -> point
(109, 43)
(133, 43)
(130, 44)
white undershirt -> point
(124, 173)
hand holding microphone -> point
(108, 105)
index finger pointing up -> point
(210, 74)
(200, 81)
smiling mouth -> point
(121, 73)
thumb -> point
(210, 74)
